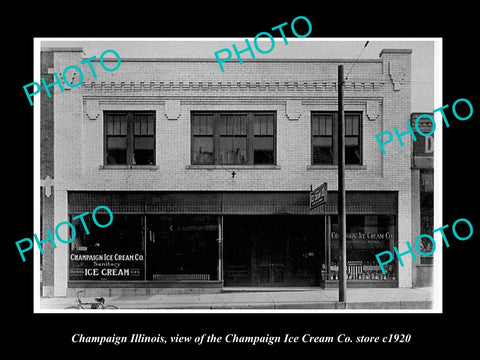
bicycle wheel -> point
(74, 307)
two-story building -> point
(208, 173)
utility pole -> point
(342, 245)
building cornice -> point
(217, 86)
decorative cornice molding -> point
(201, 86)
(372, 106)
(294, 106)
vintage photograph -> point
(202, 175)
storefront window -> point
(146, 247)
(182, 247)
(112, 253)
(366, 236)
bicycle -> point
(98, 304)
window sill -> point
(233, 167)
(335, 167)
(128, 167)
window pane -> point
(263, 150)
(196, 121)
(328, 125)
(322, 141)
(315, 130)
(144, 142)
(225, 128)
(203, 150)
(263, 142)
(117, 142)
(151, 127)
(355, 125)
(143, 157)
(352, 125)
(209, 125)
(116, 150)
(263, 125)
(117, 127)
(239, 125)
(233, 150)
(352, 155)
(137, 128)
(233, 125)
(123, 127)
(109, 127)
(143, 125)
(348, 125)
(351, 141)
(322, 155)
(202, 124)
(263, 157)
(321, 126)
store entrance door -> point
(269, 258)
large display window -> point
(145, 247)
(182, 247)
(116, 252)
(366, 236)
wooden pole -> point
(342, 256)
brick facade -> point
(379, 88)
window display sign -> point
(365, 236)
(106, 266)
(364, 239)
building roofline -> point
(286, 60)
(62, 49)
(395, 51)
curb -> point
(334, 305)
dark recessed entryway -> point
(273, 250)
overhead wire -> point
(364, 47)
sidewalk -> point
(243, 298)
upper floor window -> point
(233, 138)
(129, 137)
(324, 138)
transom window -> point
(129, 138)
(324, 138)
(233, 138)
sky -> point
(423, 53)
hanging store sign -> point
(318, 196)
(106, 266)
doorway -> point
(273, 250)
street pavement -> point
(268, 299)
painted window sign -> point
(106, 266)
(116, 253)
